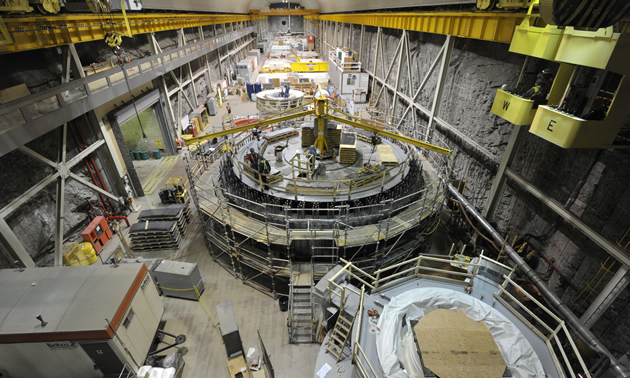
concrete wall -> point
(476, 70)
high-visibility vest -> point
(266, 168)
(229, 107)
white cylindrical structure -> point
(272, 100)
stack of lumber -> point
(178, 213)
(348, 148)
(154, 235)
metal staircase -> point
(342, 331)
(300, 308)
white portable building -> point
(99, 318)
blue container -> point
(250, 89)
(144, 155)
(157, 155)
(133, 156)
(257, 87)
(136, 155)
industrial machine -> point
(175, 191)
(199, 119)
(97, 233)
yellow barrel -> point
(89, 252)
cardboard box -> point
(276, 82)
(347, 59)
(13, 93)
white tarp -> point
(516, 350)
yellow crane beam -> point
(488, 26)
(235, 130)
(321, 111)
(284, 12)
(402, 138)
(22, 33)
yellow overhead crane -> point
(22, 33)
(322, 111)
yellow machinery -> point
(199, 119)
(309, 67)
(594, 105)
(73, 255)
(88, 252)
(322, 112)
(175, 191)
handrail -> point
(552, 333)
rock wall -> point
(280, 24)
(602, 201)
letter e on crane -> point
(551, 123)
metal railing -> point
(52, 107)
(550, 335)
(547, 333)
(341, 65)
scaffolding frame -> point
(256, 239)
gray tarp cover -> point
(516, 350)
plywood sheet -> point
(235, 364)
(453, 345)
(386, 154)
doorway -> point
(104, 357)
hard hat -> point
(261, 156)
(251, 150)
(547, 71)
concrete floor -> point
(254, 310)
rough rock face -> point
(34, 221)
(602, 201)
(276, 24)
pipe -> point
(76, 140)
(120, 217)
(617, 368)
(98, 173)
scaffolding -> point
(257, 236)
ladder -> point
(300, 307)
(342, 330)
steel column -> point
(609, 294)
(516, 139)
(15, 244)
(401, 57)
(60, 204)
(439, 88)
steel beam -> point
(72, 108)
(402, 138)
(439, 88)
(569, 217)
(15, 244)
(401, 57)
(13, 205)
(608, 295)
(83, 154)
(89, 185)
(27, 151)
(239, 129)
(488, 26)
(391, 66)
(514, 144)
(60, 203)
(45, 31)
(411, 103)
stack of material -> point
(154, 235)
(178, 213)
(347, 148)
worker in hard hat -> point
(252, 159)
(229, 108)
(263, 169)
(541, 87)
